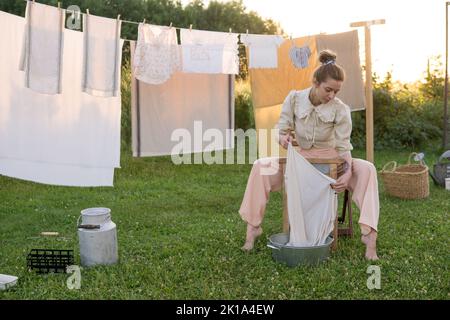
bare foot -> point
(370, 240)
(252, 234)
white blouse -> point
(324, 126)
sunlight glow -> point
(414, 29)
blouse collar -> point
(326, 112)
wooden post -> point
(369, 97)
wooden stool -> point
(334, 168)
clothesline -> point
(95, 70)
(137, 23)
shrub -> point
(125, 133)
(243, 106)
(403, 117)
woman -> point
(323, 127)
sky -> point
(414, 30)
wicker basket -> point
(408, 181)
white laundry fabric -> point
(312, 203)
(102, 56)
(42, 48)
(299, 56)
(70, 139)
(209, 52)
(159, 112)
(157, 54)
(263, 49)
(55, 174)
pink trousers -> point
(267, 176)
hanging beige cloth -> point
(346, 46)
(311, 202)
(191, 103)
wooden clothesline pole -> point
(369, 89)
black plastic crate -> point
(49, 260)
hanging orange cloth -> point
(271, 86)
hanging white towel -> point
(70, 139)
(157, 54)
(311, 201)
(263, 49)
(209, 52)
(42, 48)
(101, 56)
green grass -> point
(180, 235)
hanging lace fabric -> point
(157, 54)
(312, 203)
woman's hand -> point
(342, 182)
(285, 140)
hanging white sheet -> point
(70, 139)
(209, 52)
(311, 201)
(42, 48)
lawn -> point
(180, 235)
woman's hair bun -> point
(326, 56)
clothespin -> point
(143, 21)
(59, 5)
(292, 40)
(230, 30)
(118, 17)
(170, 25)
(247, 31)
(87, 11)
(190, 27)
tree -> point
(217, 16)
(433, 86)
